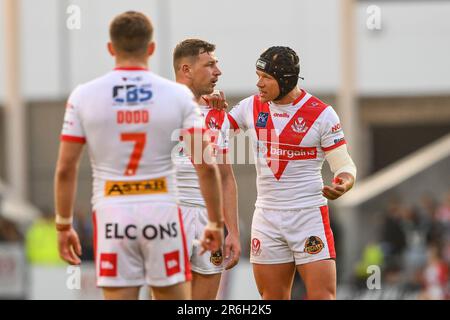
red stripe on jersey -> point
(334, 146)
(233, 122)
(73, 139)
(292, 134)
(300, 97)
(187, 265)
(131, 68)
(328, 232)
(94, 234)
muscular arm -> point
(66, 177)
(229, 191)
(232, 242)
(209, 180)
(210, 187)
(69, 246)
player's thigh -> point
(274, 281)
(319, 278)
(125, 293)
(179, 291)
(205, 286)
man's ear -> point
(151, 48)
(186, 70)
(111, 49)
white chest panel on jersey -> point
(289, 144)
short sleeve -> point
(238, 114)
(73, 128)
(332, 134)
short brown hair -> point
(190, 48)
(131, 32)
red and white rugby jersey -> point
(218, 125)
(289, 144)
(130, 119)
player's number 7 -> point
(139, 140)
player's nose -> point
(259, 83)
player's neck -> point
(198, 97)
(290, 97)
(131, 63)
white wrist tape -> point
(340, 161)
(63, 220)
(214, 226)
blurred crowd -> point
(40, 238)
(9, 231)
(412, 247)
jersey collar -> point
(131, 69)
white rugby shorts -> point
(195, 220)
(140, 244)
(300, 236)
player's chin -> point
(264, 97)
(208, 90)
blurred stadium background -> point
(384, 65)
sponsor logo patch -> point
(256, 247)
(262, 119)
(216, 258)
(336, 128)
(338, 140)
(131, 188)
(313, 245)
(281, 115)
(108, 265)
(261, 64)
(299, 125)
(172, 262)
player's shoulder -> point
(249, 100)
(315, 102)
(93, 85)
(245, 103)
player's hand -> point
(232, 250)
(216, 100)
(341, 184)
(212, 240)
(69, 246)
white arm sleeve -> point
(340, 161)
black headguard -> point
(283, 64)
